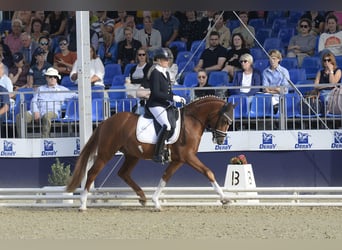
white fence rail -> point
(173, 196)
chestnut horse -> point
(118, 133)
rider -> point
(160, 98)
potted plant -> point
(58, 179)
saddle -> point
(148, 128)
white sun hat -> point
(52, 72)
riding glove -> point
(177, 98)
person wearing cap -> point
(37, 71)
(46, 102)
(160, 99)
(64, 60)
(18, 73)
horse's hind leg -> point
(125, 174)
(91, 175)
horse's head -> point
(220, 127)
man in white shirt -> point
(46, 103)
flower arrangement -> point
(238, 160)
(60, 174)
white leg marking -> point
(218, 190)
(155, 197)
(83, 199)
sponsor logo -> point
(8, 149)
(49, 149)
(77, 147)
(337, 140)
(224, 146)
(303, 141)
(267, 141)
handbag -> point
(311, 103)
(334, 105)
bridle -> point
(217, 133)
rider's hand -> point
(177, 98)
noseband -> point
(217, 133)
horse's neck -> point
(201, 109)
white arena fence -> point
(173, 196)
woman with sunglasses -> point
(202, 78)
(138, 76)
(44, 43)
(64, 60)
(246, 77)
(329, 74)
(304, 43)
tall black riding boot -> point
(162, 136)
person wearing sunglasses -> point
(202, 79)
(46, 103)
(304, 43)
(331, 39)
(44, 44)
(330, 73)
(247, 77)
(138, 76)
(18, 73)
(64, 60)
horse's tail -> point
(87, 152)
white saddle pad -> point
(147, 134)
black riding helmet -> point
(161, 53)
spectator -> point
(207, 23)
(28, 46)
(37, 71)
(212, 58)
(331, 39)
(275, 78)
(46, 103)
(18, 73)
(44, 43)
(96, 70)
(149, 37)
(4, 103)
(233, 55)
(120, 32)
(138, 75)
(244, 29)
(127, 48)
(330, 73)
(191, 29)
(168, 26)
(173, 67)
(222, 30)
(102, 25)
(12, 40)
(25, 18)
(108, 50)
(64, 60)
(304, 43)
(120, 20)
(317, 22)
(5, 81)
(246, 77)
(57, 21)
(5, 54)
(36, 30)
(203, 82)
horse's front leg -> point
(169, 171)
(194, 162)
(83, 199)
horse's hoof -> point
(142, 202)
(82, 209)
(225, 202)
(157, 209)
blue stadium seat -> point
(285, 35)
(261, 64)
(258, 53)
(196, 49)
(118, 80)
(218, 78)
(302, 89)
(66, 82)
(273, 43)
(97, 111)
(180, 45)
(184, 56)
(294, 16)
(311, 64)
(186, 66)
(24, 96)
(262, 34)
(128, 68)
(5, 25)
(339, 61)
(291, 105)
(190, 80)
(261, 106)
(111, 70)
(289, 62)
(241, 108)
(232, 24)
(97, 92)
(272, 15)
(297, 75)
(116, 93)
(257, 23)
(72, 111)
(278, 24)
